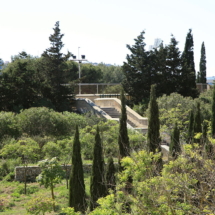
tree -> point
(54, 65)
(77, 196)
(19, 85)
(213, 115)
(190, 127)
(27, 149)
(123, 139)
(97, 182)
(173, 63)
(138, 71)
(175, 148)
(110, 174)
(188, 74)
(51, 174)
(153, 136)
(202, 65)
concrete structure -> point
(99, 108)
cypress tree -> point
(153, 137)
(97, 183)
(110, 174)
(213, 114)
(188, 74)
(77, 196)
(202, 65)
(190, 128)
(175, 148)
(197, 127)
(123, 139)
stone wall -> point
(33, 171)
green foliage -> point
(70, 211)
(110, 174)
(113, 89)
(77, 196)
(188, 76)
(123, 139)
(184, 187)
(107, 206)
(138, 70)
(8, 125)
(175, 148)
(19, 85)
(97, 181)
(54, 67)
(197, 128)
(7, 167)
(39, 205)
(153, 137)
(90, 73)
(3, 203)
(202, 65)
(111, 74)
(190, 128)
(51, 174)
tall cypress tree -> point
(175, 148)
(153, 137)
(213, 114)
(97, 182)
(54, 64)
(77, 196)
(188, 74)
(202, 65)
(190, 128)
(110, 174)
(123, 139)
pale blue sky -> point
(103, 28)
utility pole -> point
(79, 66)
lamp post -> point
(79, 66)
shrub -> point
(40, 204)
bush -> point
(40, 204)
(8, 125)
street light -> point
(79, 65)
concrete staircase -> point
(112, 112)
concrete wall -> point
(134, 117)
(86, 105)
(33, 171)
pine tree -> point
(188, 74)
(97, 182)
(123, 139)
(153, 137)
(54, 64)
(190, 128)
(138, 70)
(77, 196)
(197, 127)
(175, 148)
(110, 175)
(202, 65)
(213, 114)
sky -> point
(102, 28)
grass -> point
(12, 193)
